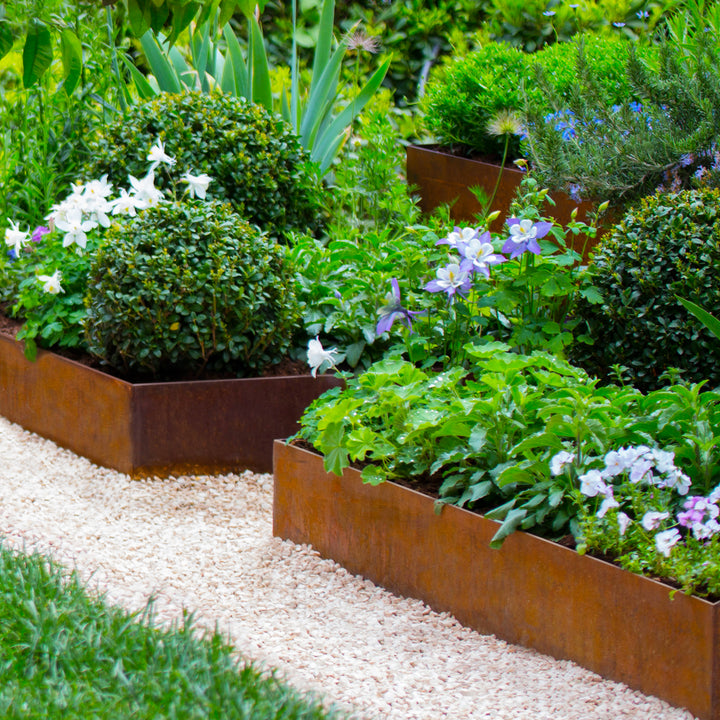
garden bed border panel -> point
(531, 592)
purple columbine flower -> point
(459, 236)
(524, 235)
(394, 310)
(38, 233)
(479, 255)
(450, 279)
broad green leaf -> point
(354, 352)
(6, 39)
(37, 53)
(510, 525)
(71, 50)
(373, 475)
(235, 66)
(477, 492)
(182, 17)
(144, 88)
(708, 320)
(139, 16)
(591, 294)
(160, 66)
(538, 440)
(261, 88)
(158, 17)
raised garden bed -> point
(532, 592)
(443, 178)
(164, 428)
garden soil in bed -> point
(205, 543)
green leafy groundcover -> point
(487, 436)
(65, 654)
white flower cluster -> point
(652, 467)
(89, 206)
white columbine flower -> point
(652, 519)
(560, 460)
(197, 184)
(158, 155)
(665, 541)
(51, 283)
(126, 204)
(146, 194)
(16, 238)
(459, 236)
(317, 356)
(75, 228)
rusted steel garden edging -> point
(442, 178)
(152, 428)
(531, 592)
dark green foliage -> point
(67, 655)
(668, 246)
(464, 97)
(256, 163)
(189, 286)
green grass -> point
(66, 654)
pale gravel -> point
(205, 544)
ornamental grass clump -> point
(666, 247)
(256, 162)
(186, 287)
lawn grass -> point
(66, 654)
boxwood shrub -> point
(186, 287)
(666, 246)
(255, 160)
(463, 97)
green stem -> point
(114, 61)
(499, 177)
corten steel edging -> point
(531, 591)
(153, 428)
(73, 405)
(442, 178)
(218, 425)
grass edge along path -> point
(66, 654)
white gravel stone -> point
(205, 544)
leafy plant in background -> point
(314, 113)
(664, 248)
(255, 160)
(623, 151)
(465, 97)
(46, 127)
(531, 26)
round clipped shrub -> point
(667, 246)
(186, 287)
(256, 162)
(465, 96)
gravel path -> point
(205, 544)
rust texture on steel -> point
(442, 178)
(531, 592)
(153, 428)
(73, 405)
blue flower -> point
(524, 236)
(450, 279)
(394, 310)
(643, 14)
(636, 106)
